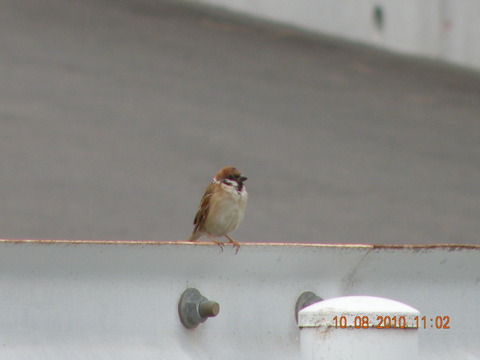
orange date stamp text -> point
(391, 322)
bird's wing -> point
(204, 207)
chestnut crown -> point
(230, 173)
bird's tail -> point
(194, 236)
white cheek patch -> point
(230, 188)
(230, 183)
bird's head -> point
(230, 176)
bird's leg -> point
(219, 243)
(234, 243)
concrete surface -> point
(115, 114)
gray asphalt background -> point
(115, 114)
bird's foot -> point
(234, 243)
(216, 242)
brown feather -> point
(226, 180)
(225, 172)
(204, 207)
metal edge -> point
(451, 247)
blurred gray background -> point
(115, 115)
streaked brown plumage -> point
(222, 207)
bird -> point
(222, 207)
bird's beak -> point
(243, 178)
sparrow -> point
(222, 207)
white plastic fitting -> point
(358, 327)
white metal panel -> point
(109, 300)
(444, 29)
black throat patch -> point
(235, 184)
